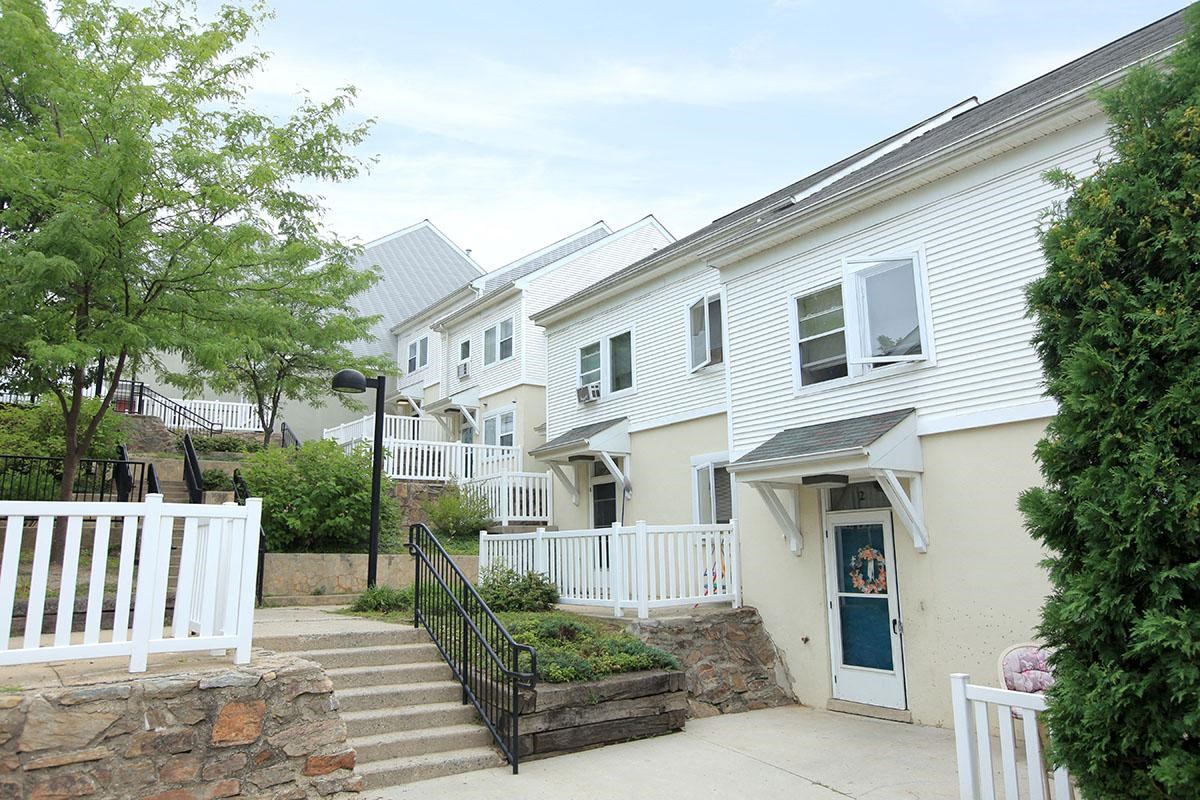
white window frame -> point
(463, 358)
(496, 419)
(708, 463)
(418, 354)
(579, 381)
(859, 367)
(492, 357)
(707, 301)
(605, 343)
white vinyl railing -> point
(395, 427)
(448, 461)
(973, 740)
(229, 415)
(517, 496)
(213, 587)
(639, 566)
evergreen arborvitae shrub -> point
(1118, 331)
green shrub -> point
(216, 480)
(458, 513)
(39, 430)
(222, 443)
(505, 589)
(573, 648)
(384, 599)
(317, 499)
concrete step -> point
(407, 718)
(404, 744)
(379, 656)
(394, 771)
(394, 675)
(371, 698)
(396, 634)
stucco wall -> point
(660, 470)
(530, 404)
(977, 590)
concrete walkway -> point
(795, 753)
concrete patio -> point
(796, 753)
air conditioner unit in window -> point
(589, 393)
(464, 369)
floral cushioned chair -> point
(1025, 668)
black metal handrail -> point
(240, 491)
(288, 437)
(491, 666)
(134, 397)
(153, 485)
(191, 471)
(39, 478)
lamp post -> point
(351, 381)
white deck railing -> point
(973, 739)
(230, 415)
(517, 496)
(213, 587)
(448, 461)
(395, 427)
(639, 566)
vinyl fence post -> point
(541, 555)
(147, 583)
(968, 777)
(641, 552)
(485, 552)
(616, 573)
(245, 623)
(735, 562)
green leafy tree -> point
(285, 337)
(1118, 331)
(317, 499)
(139, 193)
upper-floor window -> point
(705, 340)
(498, 342)
(878, 316)
(500, 428)
(418, 354)
(608, 363)
(464, 350)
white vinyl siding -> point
(665, 383)
(419, 352)
(976, 233)
(493, 377)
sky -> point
(510, 125)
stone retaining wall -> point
(731, 663)
(560, 717)
(268, 730)
(342, 573)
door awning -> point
(883, 447)
(466, 400)
(597, 441)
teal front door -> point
(866, 633)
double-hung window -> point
(877, 316)
(498, 342)
(713, 493)
(608, 363)
(705, 341)
(464, 350)
(500, 429)
(418, 354)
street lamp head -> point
(350, 381)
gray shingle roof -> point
(517, 269)
(418, 266)
(825, 437)
(577, 435)
(1078, 74)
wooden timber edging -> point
(562, 717)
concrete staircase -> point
(402, 707)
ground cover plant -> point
(571, 647)
(1118, 331)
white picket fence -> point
(638, 566)
(213, 587)
(395, 427)
(230, 415)
(448, 461)
(517, 496)
(974, 709)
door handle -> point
(897, 627)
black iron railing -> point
(153, 485)
(191, 471)
(491, 666)
(134, 397)
(288, 437)
(40, 478)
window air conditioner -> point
(589, 393)
(464, 369)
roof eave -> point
(784, 461)
(507, 293)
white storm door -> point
(864, 610)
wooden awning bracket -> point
(788, 521)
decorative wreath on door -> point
(871, 561)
